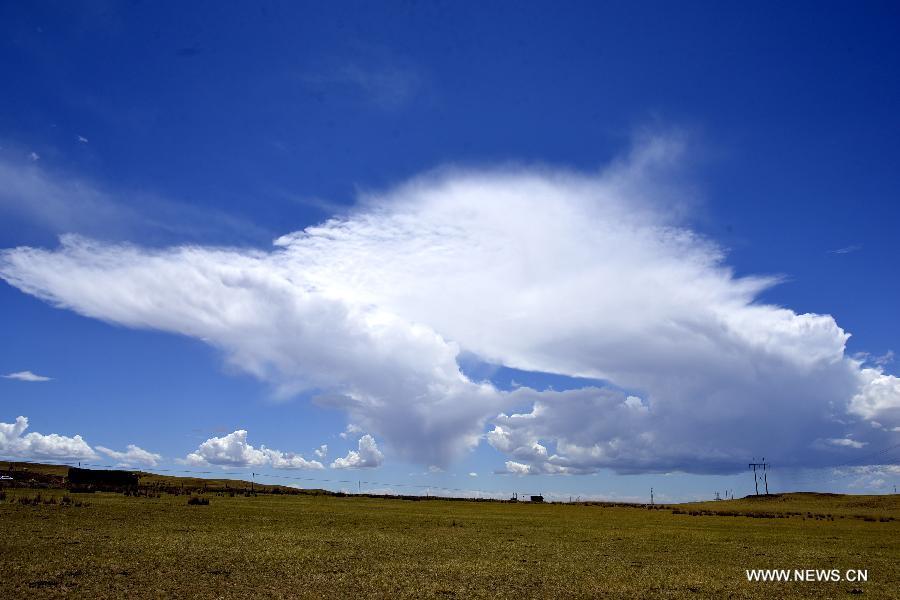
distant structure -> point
(537, 498)
(91, 480)
(762, 466)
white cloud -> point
(82, 139)
(368, 456)
(61, 204)
(846, 442)
(34, 156)
(511, 442)
(868, 477)
(588, 276)
(350, 431)
(517, 468)
(133, 455)
(846, 249)
(878, 396)
(322, 451)
(234, 451)
(884, 359)
(38, 446)
(473, 474)
(26, 376)
(378, 78)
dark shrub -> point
(197, 501)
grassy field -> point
(322, 546)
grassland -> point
(319, 546)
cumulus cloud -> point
(368, 456)
(517, 468)
(322, 451)
(133, 455)
(586, 275)
(878, 396)
(232, 450)
(26, 376)
(39, 446)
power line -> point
(762, 466)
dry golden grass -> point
(319, 546)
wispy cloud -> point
(26, 376)
(846, 249)
(350, 430)
(884, 359)
(62, 203)
(846, 442)
(375, 76)
(879, 360)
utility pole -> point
(252, 481)
(359, 485)
(651, 496)
(762, 466)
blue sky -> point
(767, 133)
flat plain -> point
(321, 546)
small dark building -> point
(537, 498)
(91, 480)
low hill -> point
(801, 504)
(794, 504)
(28, 474)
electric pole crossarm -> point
(762, 466)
